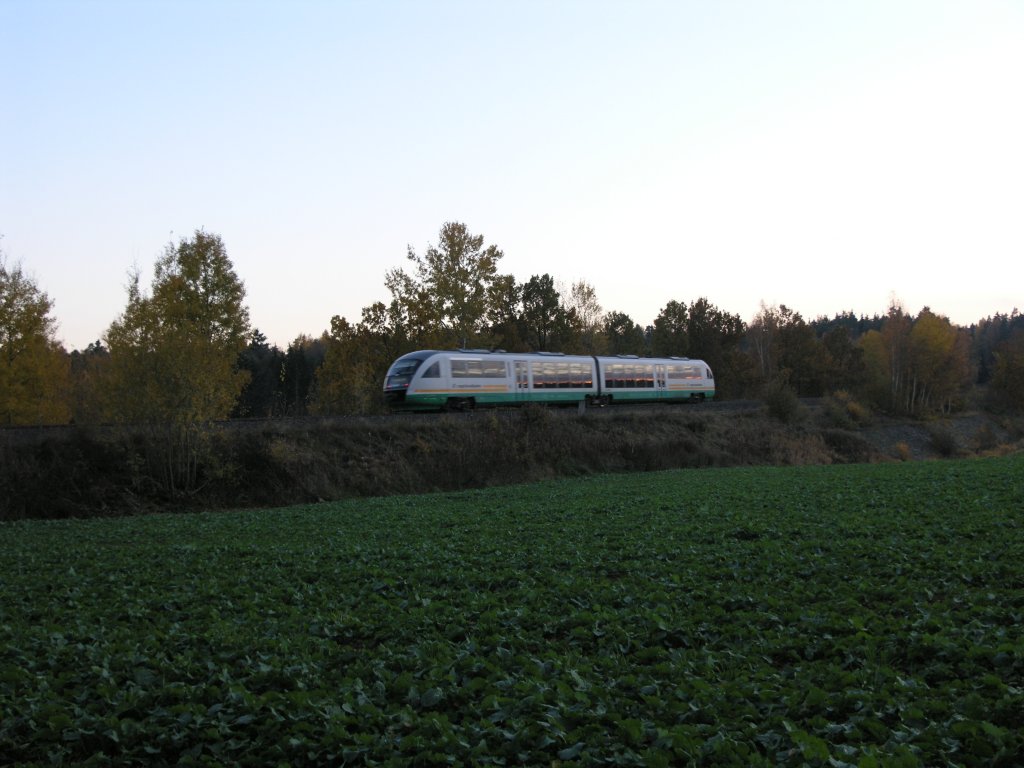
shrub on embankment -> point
(86, 472)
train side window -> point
(434, 371)
(613, 376)
(494, 369)
(680, 372)
(478, 369)
(562, 375)
(646, 376)
(548, 376)
(579, 375)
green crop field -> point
(866, 615)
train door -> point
(660, 382)
(522, 369)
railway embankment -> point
(114, 471)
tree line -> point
(185, 353)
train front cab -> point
(689, 380)
(400, 376)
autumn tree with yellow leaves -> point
(174, 354)
(445, 299)
(916, 365)
(358, 357)
(33, 365)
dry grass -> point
(78, 473)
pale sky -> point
(828, 156)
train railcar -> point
(466, 378)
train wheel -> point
(459, 404)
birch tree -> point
(448, 292)
(33, 365)
(174, 354)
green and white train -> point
(462, 379)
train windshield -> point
(401, 371)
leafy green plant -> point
(848, 615)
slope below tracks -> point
(87, 471)
(574, 411)
(35, 435)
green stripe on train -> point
(432, 401)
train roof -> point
(423, 354)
